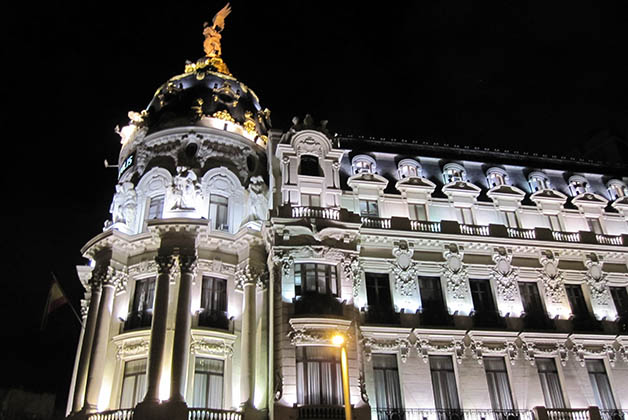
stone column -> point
(247, 279)
(181, 349)
(86, 344)
(101, 337)
(158, 327)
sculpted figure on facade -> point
(504, 275)
(129, 132)
(258, 199)
(455, 272)
(185, 189)
(404, 268)
(596, 279)
(124, 206)
(551, 277)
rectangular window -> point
(431, 294)
(368, 208)
(319, 378)
(550, 383)
(310, 200)
(465, 215)
(387, 390)
(577, 302)
(498, 385)
(219, 212)
(133, 383)
(156, 207)
(418, 212)
(482, 296)
(315, 278)
(620, 299)
(511, 219)
(594, 225)
(444, 383)
(600, 384)
(378, 291)
(554, 222)
(141, 314)
(208, 383)
(213, 302)
(531, 299)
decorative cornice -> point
(380, 345)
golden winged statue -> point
(211, 45)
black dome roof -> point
(207, 94)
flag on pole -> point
(56, 299)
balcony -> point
(193, 414)
(488, 319)
(138, 319)
(317, 304)
(380, 315)
(321, 412)
(210, 318)
(535, 321)
(449, 414)
(435, 316)
(451, 227)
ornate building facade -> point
(468, 283)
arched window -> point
(363, 164)
(408, 168)
(309, 166)
(616, 189)
(538, 181)
(496, 177)
(452, 172)
(578, 185)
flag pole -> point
(78, 318)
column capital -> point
(251, 275)
(187, 263)
(164, 263)
(101, 275)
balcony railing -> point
(614, 414)
(375, 223)
(214, 319)
(213, 414)
(380, 315)
(317, 303)
(476, 230)
(121, 414)
(449, 414)
(321, 412)
(316, 213)
(450, 226)
(568, 413)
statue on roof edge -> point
(211, 45)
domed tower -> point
(174, 316)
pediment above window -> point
(590, 199)
(415, 185)
(506, 191)
(621, 204)
(461, 191)
(548, 195)
(367, 181)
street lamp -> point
(339, 341)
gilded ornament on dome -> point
(223, 115)
(198, 108)
(249, 123)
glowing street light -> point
(339, 341)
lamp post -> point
(339, 340)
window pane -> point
(444, 382)
(319, 379)
(550, 383)
(498, 385)
(208, 382)
(156, 207)
(387, 391)
(576, 301)
(133, 383)
(600, 384)
(315, 278)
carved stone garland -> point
(551, 277)
(133, 348)
(424, 347)
(211, 347)
(596, 279)
(455, 272)
(530, 350)
(581, 352)
(404, 268)
(479, 349)
(504, 275)
(401, 345)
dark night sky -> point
(535, 76)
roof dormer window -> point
(578, 185)
(616, 189)
(452, 172)
(496, 177)
(363, 164)
(409, 168)
(538, 181)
